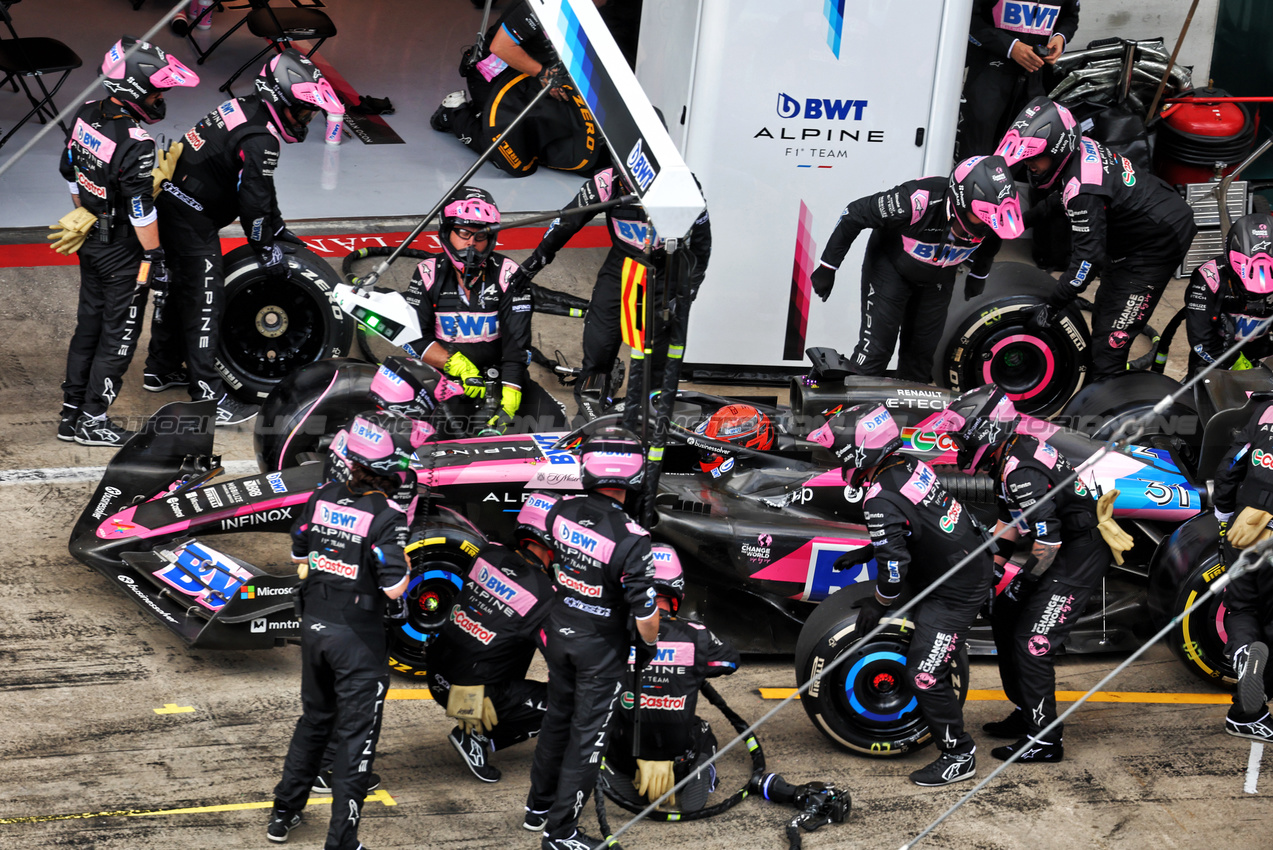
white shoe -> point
(454, 99)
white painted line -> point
(1253, 767)
(80, 474)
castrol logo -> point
(1262, 458)
(470, 626)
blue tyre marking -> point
(432, 574)
(412, 632)
(852, 697)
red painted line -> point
(339, 245)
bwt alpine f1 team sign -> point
(640, 147)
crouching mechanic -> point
(605, 580)
(919, 532)
(1244, 485)
(1231, 296)
(922, 231)
(349, 543)
(478, 662)
(673, 740)
(471, 319)
(1038, 603)
(226, 171)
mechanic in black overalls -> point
(478, 662)
(226, 171)
(673, 739)
(471, 318)
(1038, 603)
(1231, 296)
(631, 237)
(922, 231)
(1004, 70)
(108, 164)
(1130, 230)
(605, 581)
(349, 542)
(1244, 486)
(918, 533)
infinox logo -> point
(1262, 458)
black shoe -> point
(473, 749)
(281, 823)
(1251, 666)
(949, 767)
(231, 411)
(1011, 727)
(159, 383)
(1035, 751)
(535, 821)
(99, 431)
(578, 841)
(323, 783)
(1256, 730)
(66, 422)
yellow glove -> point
(489, 718)
(165, 165)
(302, 569)
(467, 704)
(1241, 363)
(654, 779)
(459, 366)
(1250, 527)
(71, 229)
(1116, 539)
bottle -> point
(334, 124)
(197, 8)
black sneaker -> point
(535, 821)
(473, 749)
(949, 767)
(1251, 666)
(159, 383)
(66, 422)
(1034, 751)
(281, 823)
(1011, 727)
(578, 841)
(1257, 730)
(99, 431)
(323, 783)
(231, 411)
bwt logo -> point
(578, 540)
(468, 326)
(640, 166)
(817, 108)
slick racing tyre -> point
(1183, 567)
(986, 340)
(307, 408)
(272, 328)
(864, 704)
(441, 555)
(1100, 409)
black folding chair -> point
(35, 57)
(279, 26)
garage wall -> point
(1137, 19)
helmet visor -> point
(1004, 219)
(1256, 273)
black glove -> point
(974, 285)
(645, 652)
(1041, 319)
(1020, 587)
(153, 271)
(273, 261)
(519, 280)
(869, 615)
(822, 279)
(290, 241)
(553, 76)
(853, 557)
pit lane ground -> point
(114, 736)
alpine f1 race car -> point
(758, 540)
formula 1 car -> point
(759, 543)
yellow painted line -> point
(173, 708)
(379, 796)
(410, 693)
(1070, 696)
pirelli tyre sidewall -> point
(864, 705)
(1199, 638)
(441, 555)
(986, 340)
(271, 328)
(299, 417)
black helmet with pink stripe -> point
(1248, 249)
(1043, 128)
(978, 420)
(983, 199)
(294, 90)
(131, 80)
(861, 437)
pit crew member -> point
(1231, 296)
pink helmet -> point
(532, 519)
(147, 71)
(669, 578)
(474, 208)
(983, 198)
(1042, 128)
(385, 442)
(861, 436)
(1248, 249)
